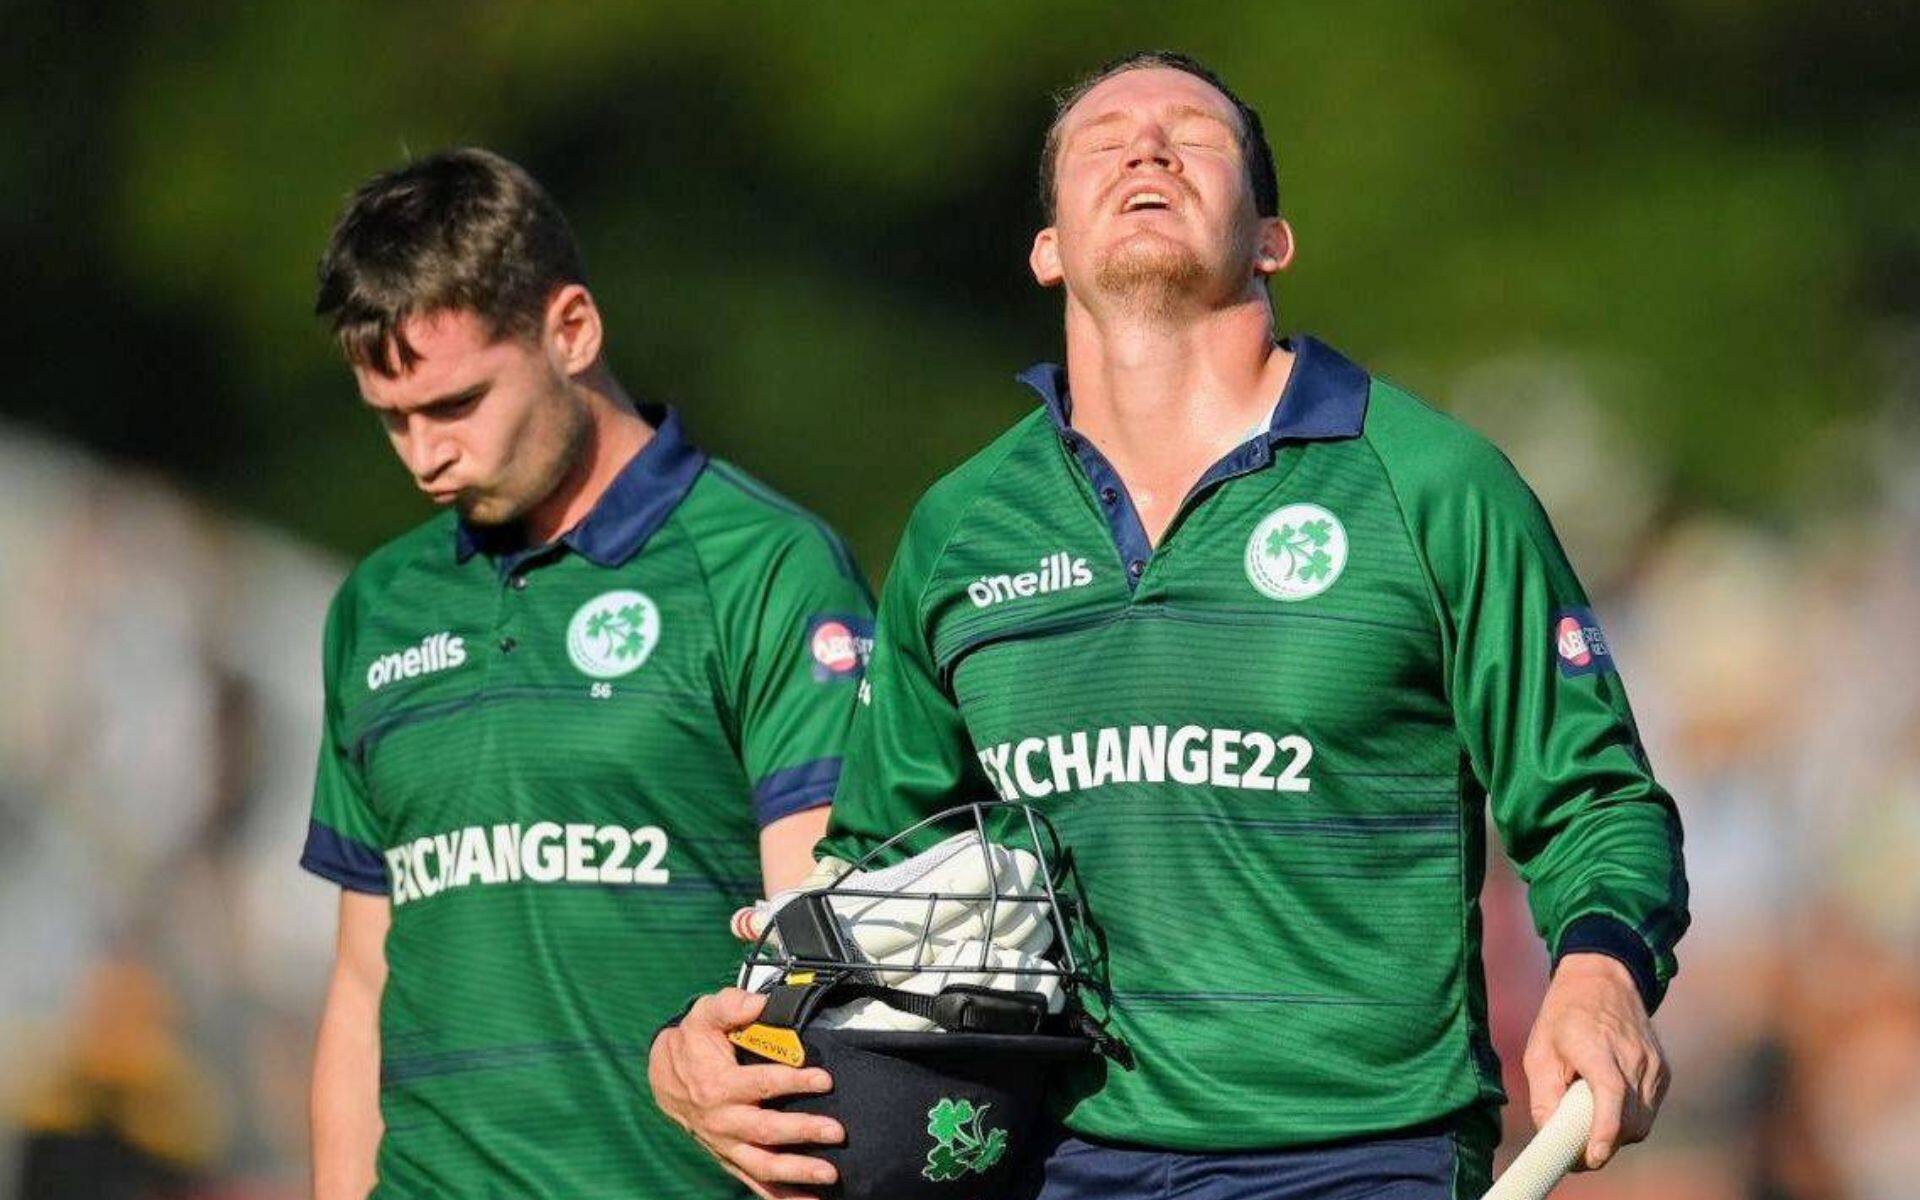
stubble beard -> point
(1160, 277)
(550, 457)
(1151, 276)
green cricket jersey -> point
(554, 762)
(1268, 743)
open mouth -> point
(1145, 201)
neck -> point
(1164, 396)
(615, 433)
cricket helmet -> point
(941, 989)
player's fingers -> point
(766, 1191)
(1548, 1077)
(1636, 1120)
(1654, 1074)
(1662, 1079)
(767, 1127)
(710, 1083)
(753, 1185)
(756, 1084)
(1645, 1072)
(729, 1008)
(1609, 1108)
(769, 1167)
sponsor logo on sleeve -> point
(839, 646)
(1579, 643)
(436, 652)
(1296, 552)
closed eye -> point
(448, 410)
(443, 408)
(455, 406)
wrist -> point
(1601, 936)
(1593, 964)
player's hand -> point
(698, 1082)
(1593, 1026)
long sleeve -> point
(1543, 715)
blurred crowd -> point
(1772, 671)
(166, 956)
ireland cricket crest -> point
(961, 1142)
(613, 633)
(1296, 552)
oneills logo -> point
(1058, 572)
(436, 652)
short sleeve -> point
(910, 754)
(803, 630)
(343, 835)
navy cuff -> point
(1598, 933)
(795, 789)
(353, 865)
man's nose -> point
(427, 451)
(1150, 147)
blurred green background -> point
(808, 224)
(1666, 253)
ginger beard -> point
(1149, 272)
(1154, 274)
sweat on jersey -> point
(1268, 743)
(554, 763)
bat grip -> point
(1552, 1152)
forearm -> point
(346, 1094)
(346, 1059)
(786, 848)
(1610, 880)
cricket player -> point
(572, 721)
(1263, 634)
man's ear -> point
(1044, 258)
(573, 329)
(1275, 251)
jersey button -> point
(1109, 495)
(1136, 568)
(507, 644)
(519, 583)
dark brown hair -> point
(462, 229)
(1253, 135)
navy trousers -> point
(1435, 1164)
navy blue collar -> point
(1325, 396)
(633, 507)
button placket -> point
(513, 586)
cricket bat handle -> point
(1552, 1152)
